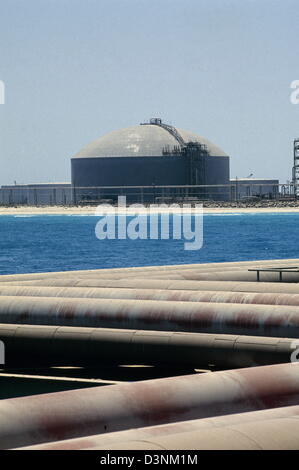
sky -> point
(76, 69)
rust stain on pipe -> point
(200, 317)
(64, 415)
(204, 424)
(152, 294)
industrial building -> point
(150, 155)
(243, 188)
(150, 162)
(36, 194)
(295, 175)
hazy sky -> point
(77, 69)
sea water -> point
(59, 243)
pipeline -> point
(64, 415)
(52, 345)
(122, 275)
(196, 317)
(254, 287)
(206, 424)
(151, 294)
(272, 434)
(147, 270)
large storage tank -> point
(151, 155)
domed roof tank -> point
(142, 141)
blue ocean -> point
(58, 243)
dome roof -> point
(141, 141)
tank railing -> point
(171, 129)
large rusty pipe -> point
(196, 317)
(204, 424)
(121, 275)
(234, 274)
(230, 286)
(184, 274)
(52, 345)
(65, 415)
(146, 270)
(271, 434)
(151, 294)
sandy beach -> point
(91, 210)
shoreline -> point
(91, 210)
